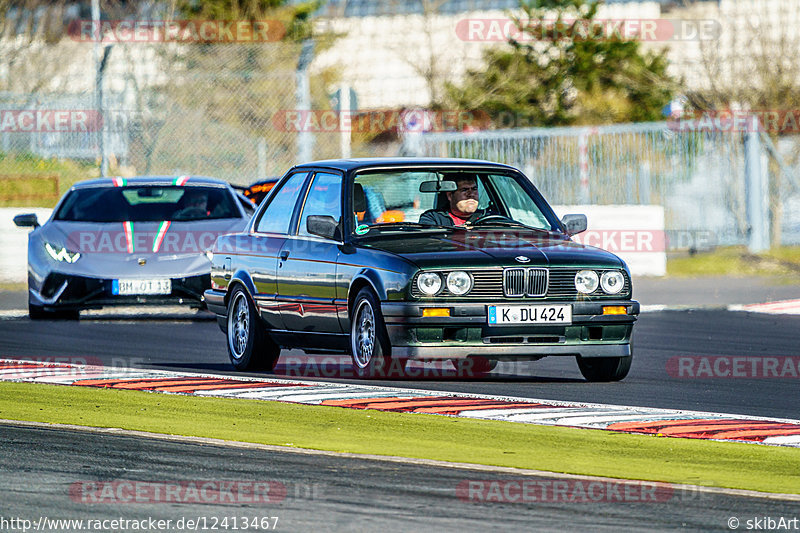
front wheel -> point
(601, 369)
(249, 346)
(369, 343)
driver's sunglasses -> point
(468, 189)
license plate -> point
(125, 287)
(530, 314)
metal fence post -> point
(305, 140)
(644, 183)
(345, 117)
(102, 142)
(755, 190)
(583, 165)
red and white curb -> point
(782, 307)
(642, 420)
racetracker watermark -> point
(236, 522)
(613, 240)
(733, 367)
(56, 366)
(624, 240)
(216, 492)
(777, 121)
(563, 491)
(50, 120)
(378, 121)
(341, 366)
(165, 239)
(534, 30)
(177, 31)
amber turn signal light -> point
(436, 311)
(615, 310)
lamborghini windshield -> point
(147, 203)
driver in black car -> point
(462, 206)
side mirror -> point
(322, 226)
(28, 220)
(574, 223)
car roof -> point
(151, 180)
(383, 162)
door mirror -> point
(574, 223)
(322, 226)
(28, 220)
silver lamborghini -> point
(129, 241)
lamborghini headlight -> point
(59, 253)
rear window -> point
(147, 203)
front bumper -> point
(215, 302)
(68, 292)
(466, 332)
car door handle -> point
(284, 255)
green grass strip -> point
(556, 449)
(780, 263)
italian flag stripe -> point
(119, 182)
(162, 231)
(128, 227)
(181, 181)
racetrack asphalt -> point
(660, 338)
(66, 474)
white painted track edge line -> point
(423, 392)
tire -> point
(474, 365)
(249, 346)
(37, 312)
(604, 369)
(369, 343)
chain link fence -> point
(224, 109)
(165, 108)
(700, 177)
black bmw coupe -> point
(428, 259)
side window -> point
(518, 203)
(278, 214)
(324, 198)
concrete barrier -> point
(14, 243)
(633, 232)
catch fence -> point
(717, 187)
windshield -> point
(147, 203)
(392, 200)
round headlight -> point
(612, 282)
(586, 281)
(429, 283)
(459, 282)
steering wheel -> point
(488, 217)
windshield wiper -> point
(511, 223)
(404, 226)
